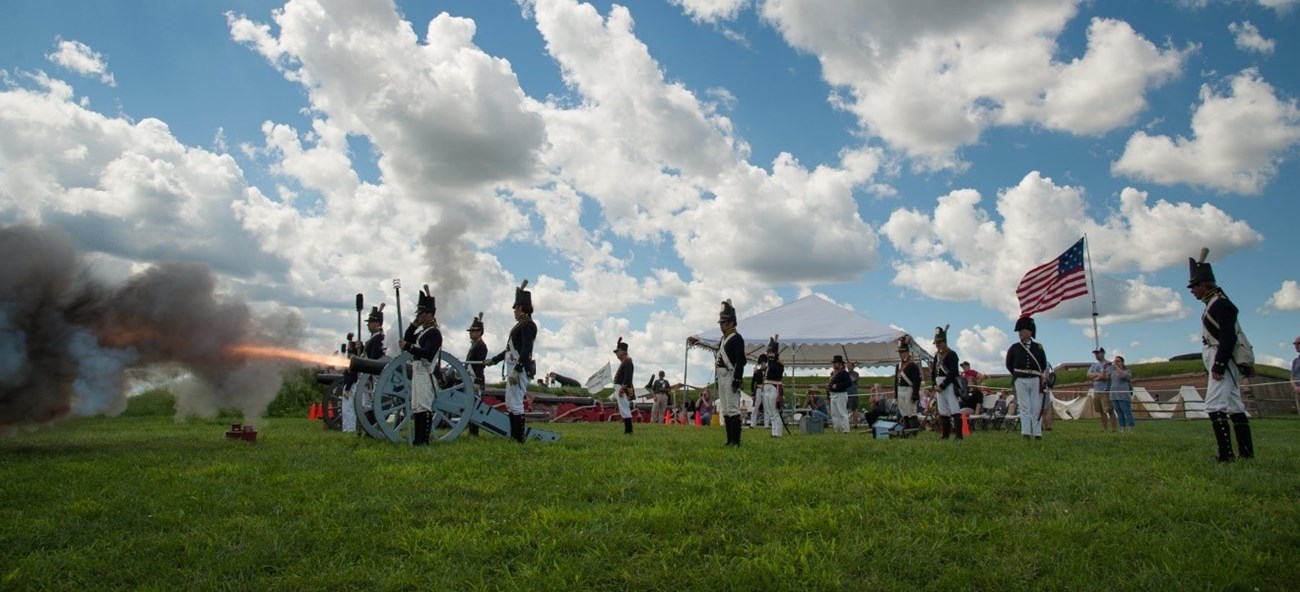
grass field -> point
(148, 503)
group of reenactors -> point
(1026, 362)
(423, 340)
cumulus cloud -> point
(959, 251)
(711, 10)
(1247, 38)
(80, 58)
(1285, 298)
(930, 76)
(1237, 141)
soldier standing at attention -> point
(475, 359)
(907, 383)
(518, 357)
(1219, 330)
(1027, 364)
(624, 392)
(729, 370)
(772, 377)
(424, 341)
(944, 376)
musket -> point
(360, 305)
(397, 288)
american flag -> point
(1051, 283)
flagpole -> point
(1092, 290)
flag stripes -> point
(1049, 284)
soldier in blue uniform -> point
(424, 341)
(773, 374)
(624, 392)
(944, 376)
(1219, 329)
(475, 359)
(518, 357)
(1027, 364)
(729, 371)
(374, 349)
(907, 384)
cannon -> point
(456, 404)
(336, 386)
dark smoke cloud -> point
(67, 340)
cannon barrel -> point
(366, 365)
(328, 378)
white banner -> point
(600, 379)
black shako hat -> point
(376, 314)
(524, 298)
(773, 345)
(1027, 323)
(728, 312)
(905, 343)
(477, 323)
(426, 302)
(941, 334)
(1199, 272)
(621, 346)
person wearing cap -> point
(838, 389)
(945, 374)
(907, 384)
(1027, 364)
(972, 400)
(624, 392)
(729, 370)
(773, 374)
(475, 358)
(1219, 327)
(423, 340)
(518, 357)
(1099, 374)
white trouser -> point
(728, 398)
(624, 406)
(422, 387)
(906, 404)
(348, 410)
(1029, 403)
(1223, 394)
(753, 409)
(840, 412)
(946, 399)
(770, 409)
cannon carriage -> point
(456, 404)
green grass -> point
(149, 503)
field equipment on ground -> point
(456, 404)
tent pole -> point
(686, 355)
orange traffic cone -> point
(698, 421)
(313, 412)
(668, 417)
(965, 425)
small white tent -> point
(811, 330)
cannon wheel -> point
(451, 405)
(332, 404)
(371, 428)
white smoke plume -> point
(67, 341)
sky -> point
(640, 162)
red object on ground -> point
(238, 432)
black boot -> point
(1245, 445)
(1219, 421)
(732, 426)
(473, 429)
(627, 425)
(956, 425)
(423, 425)
(945, 426)
(517, 429)
(735, 420)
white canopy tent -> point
(811, 330)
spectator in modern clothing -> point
(1099, 374)
(1121, 393)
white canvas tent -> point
(811, 330)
